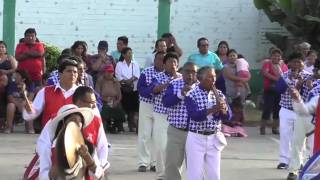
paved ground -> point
(252, 158)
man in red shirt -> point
(30, 55)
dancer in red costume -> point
(50, 98)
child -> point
(234, 127)
(19, 89)
(242, 67)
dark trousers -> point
(271, 105)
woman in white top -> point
(128, 73)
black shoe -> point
(282, 166)
(142, 169)
(292, 176)
(275, 131)
(153, 168)
(262, 131)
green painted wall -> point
(9, 10)
(163, 17)
(256, 82)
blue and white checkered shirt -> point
(286, 100)
(145, 80)
(53, 78)
(161, 78)
(198, 102)
(174, 101)
(314, 92)
(305, 90)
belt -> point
(181, 129)
(206, 133)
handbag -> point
(126, 87)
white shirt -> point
(308, 108)
(39, 101)
(124, 72)
(45, 143)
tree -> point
(301, 18)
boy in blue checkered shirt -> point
(292, 79)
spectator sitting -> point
(84, 79)
(20, 88)
(3, 85)
(234, 127)
(8, 64)
(109, 89)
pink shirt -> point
(269, 67)
(242, 65)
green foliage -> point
(300, 17)
(51, 55)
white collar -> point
(59, 87)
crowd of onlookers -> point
(114, 76)
(124, 93)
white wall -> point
(236, 21)
(62, 22)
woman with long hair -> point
(128, 73)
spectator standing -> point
(30, 55)
(234, 84)
(205, 57)
(311, 58)
(128, 73)
(100, 60)
(272, 69)
(146, 137)
(171, 43)
(160, 46)
(122, 43)
(222, 52)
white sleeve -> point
(118, 72)
(102, 149)
(100, 155)
(37, 107)
(44, 145)
(306, 108)
(136, 70)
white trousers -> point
(204, 155)
(146, 139)
(160, 135)
(287, 119)
(301, 150)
